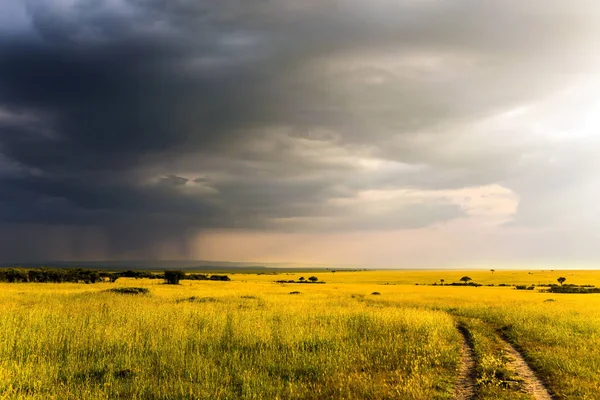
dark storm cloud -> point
(157, 118)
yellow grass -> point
(411, 277)
(250, 338)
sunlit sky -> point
(384, 133)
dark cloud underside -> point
(147, 121)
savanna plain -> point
(359, 335)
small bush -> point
(220, 278)
(124, 374)
(129, 290)
(471, 284)
(294, 292)
(135, 274)
(376, 294)
(96, 375)
(195, 299)
(196, 277)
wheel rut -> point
(466, 389)
(465, 383)
(530, 382)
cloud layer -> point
(139, 124)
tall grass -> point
(251, 339)
(228, 342)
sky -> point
(387, 133)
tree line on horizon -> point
(81, 275)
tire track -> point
(466, 389)
(531, 383)
(465, 383)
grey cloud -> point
(160, 116)
(173, 180)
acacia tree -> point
(313, 279)
(493, 270)
(301, 279)
(561, 280)
(442, 281)
(465, 279)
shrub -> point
(220, 278)
(173, 277)
(472, 284)
(124, 374)
(13, 275)
(136, 274)
(197, 277)
(129, 290)
(571, 289)
(195, 299)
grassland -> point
(251, 339)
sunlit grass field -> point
(251, 339)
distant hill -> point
(186, 265)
